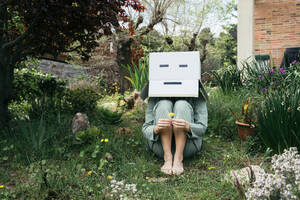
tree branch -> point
(22, 36)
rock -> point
(108, 156)
(124, 131)
(110, 106)
(243, 176)
(80, 122)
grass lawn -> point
(65, 168)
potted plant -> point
(245, 123)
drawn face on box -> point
(174, 74)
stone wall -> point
(61, 70)
(276, 27)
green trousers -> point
(183, 109)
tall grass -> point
(279, 120)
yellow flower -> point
(89, 173)
(109, 177)
(102, 140)
(171, 114)
(246, 105)
(147, 177)
(1, 186)
(211, 167)
(106, 140)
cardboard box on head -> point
(174, 74)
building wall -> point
(276, 27)
(245, 30)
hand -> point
(181, 124)
(162, 124)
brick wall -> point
(276, 27)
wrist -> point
(187, 127)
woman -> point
(174, 128)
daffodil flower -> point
(212, 167)
(106, 140)
(147, 178)
(102, 140)
(1, 186)
(171, 114)
(89, 173)
(109, 177)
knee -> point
(183, 108)
(164, 105)
(162, 109)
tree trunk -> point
(123, 58)
(6, 78)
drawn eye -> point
(164, 65)
(183, 65)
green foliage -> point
(110, 117)
(35, 137)
(91, 133)
(226, 45)
(31, 84)
(221, 122)
(139, 75)
(43, 93)
(254, 145)
(256, 75)
(278, 120)
(82, 100)
(228, 78)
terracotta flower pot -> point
(245, 130)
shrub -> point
(81, 100)
(91, 133)
(110, 117)
(31, 84)
(228, 78)
(43, 93)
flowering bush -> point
(283, 183)
(266, 78)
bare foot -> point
(167, 167)
(177, 168)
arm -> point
(148, 126)
(198, 128)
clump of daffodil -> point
(89, 173)
(171, 114)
